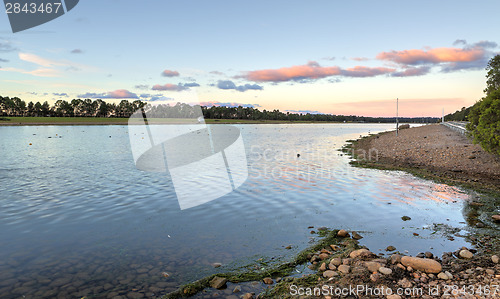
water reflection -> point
(79, 219)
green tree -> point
(493, 75)
(484, 122)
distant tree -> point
(493, 75)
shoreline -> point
(340, 266)
(432, 152)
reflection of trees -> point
(99, 108)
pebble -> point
(393, 296)
(218, 282)
(356, 236)
(496, 218)
(322, 267)
(248, 296)
(237, 289)
(443, 276)
(395, 258)
(374, 277)
(466, 254)
(342, 233)
(372, 266)
(426, 265)
(336, 261)
(385, 271)
(490, 271)
(494, 259)
(216, 265)
(344, 269)
(332, 267)
(268, 280)
(361, 253)
(323, 256)
(329, 274)
(390, 248)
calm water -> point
(77, 218)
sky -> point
(338, 57)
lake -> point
(77, 218)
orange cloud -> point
(312, 70)
(437, 55)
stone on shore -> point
(496, 218)
(344, 269)
(336, 261)
(390, 248)
(426, 265)
(372, 266)
(362, 253)
(218, 282)
(356, 236)
(268, 280)
(385, 271)
(342, 233)
(494, 259)
(465, 254)
(329, 274)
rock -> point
(421, 255)
(362, 253)
(218, 282)
(332, 267)
(496, 218)
(490, 271)
(216, 265)
(237, 289)
(329, 274)
(443, 276)
(465, 254)
(472, 157)
(322, 267)
(344, 269)
(494, 259)
(405, 218)
(288, 247)
(342, 233)
(248, 296)
(374, 277)
(268, 280)
(356, 236)
(429, 255)
(372, 266)
(390, 248)
(323, 256)
(334, 247)
(426, 265)
(450, 276)
(336, 261)
(346, 261)
(395, 258)
(393, 296)
(385, 271)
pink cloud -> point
(437, 55)
(312, 70)
(169, 73)
(121, 94)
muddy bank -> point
(432, 151)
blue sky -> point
(328, 56)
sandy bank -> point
(434, 151)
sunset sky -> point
(339, 57)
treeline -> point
(459, 115)
(99, 108)
(76, 108)
(484, 115)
